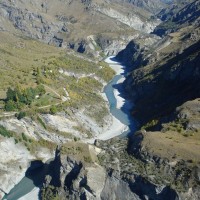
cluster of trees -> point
(17, 98)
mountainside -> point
(167, 72)
(152, 6)
(69, 24)
(176, 16)
(163, 83)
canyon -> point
(118, 117)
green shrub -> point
(21, 115)
(24, 137)
(53, 110)
(10, 106)
(5, 132)
(41, 122)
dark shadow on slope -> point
(144, 189)
(174, 83)
(72, 175)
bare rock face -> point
(131, 20)
(96, 179)
(182, 13)
(153, 6)
(134, 54)
(31, 23)
(116, 188)
(74, 180)
(189, 112)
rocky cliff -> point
(136, 175)
(149, 5)
(160, 90)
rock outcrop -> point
(74, 178)
(182, 175)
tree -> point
(18, 98)
(10, 106)
(21, 115)
(29, 93)
(10, 94)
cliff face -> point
(163, 83)
(134, 55)
(109, 179)
(161, 89)
(170, 166)
(161, 161)
(153, 6)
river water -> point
(109, 91)
(123, 113)
(26, 185)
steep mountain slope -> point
(69, 107)
(161, 89)
(153, 6)
(173, 7)
(181, 14)
(166, 80)
(69, 24)
(163, 83)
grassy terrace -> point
(26, 63)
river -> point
(26, 188)
(119, 106)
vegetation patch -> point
(5, 133)
(79, 151)
(17, 98)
